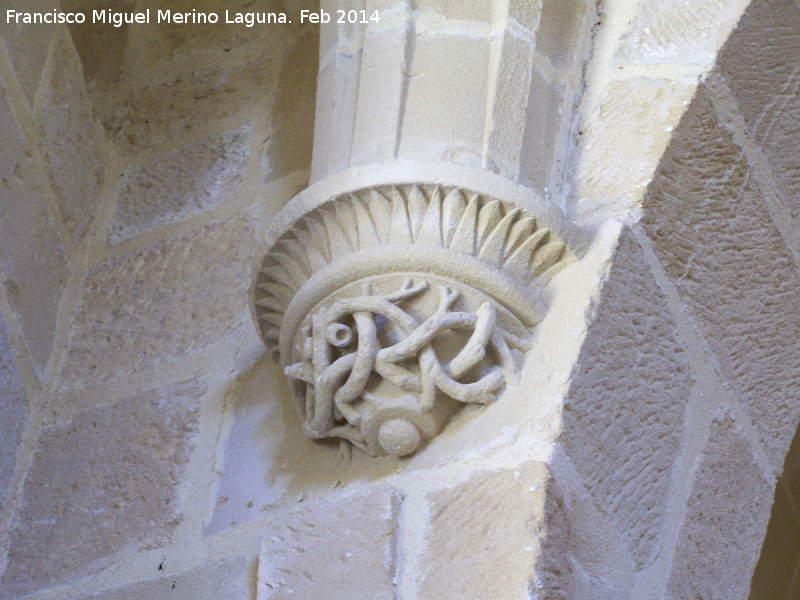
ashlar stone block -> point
(557, 36)
(163, 301)
(678, 32)
(617, 159)
(291, 141)
(713, 232)
(182, 182)
(625, 409)
(179, 78)
(760, 65)
(761, 57)
(73, 153)
(726, 518)
(340, 547)
(107, 481)
(27, 52)
(229, 580)
(501, 535)
(32, 259)
(101, 48)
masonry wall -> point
(139, 167)
(154, 448)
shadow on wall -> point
(777, 574)
(268, 459)
(707, 284)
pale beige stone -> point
(229, 580)
(13, 411)
(543, 124)
(32, 259)
(760, 64)
(678, 32)
(254, 476)
(500, 534)
(177, 184)
(162, 302)
(527, 13)
(268, 459)
(780, 551)
(621, 145)
(415, 293)
(154, 113)
(726, 516)
(27, 45)
(379, 113)
(290, 143)
(337, 83)
(761, 58)
(340, 547)
(625, 411)
(713, 233)
(73, 154)
(101, 485)
(513, 90)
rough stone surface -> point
(542, 127)
(106, 481)
(32, 260)
(100, 68)
(174, 79)
(624, 413)
(501, 534)
(615, 159)
(164, 301)
(13, 411)
(776, 573)
(761, 58)
(713, 233)
(725, 520)
(780, 551)
(253, 478)
(290, 144)
(558, 31)
(73, 154)
(230, 580)
(177, 184)
(677, 32)
(761, 63)
(26, 49)
(338, 548)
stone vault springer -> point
(390, 305)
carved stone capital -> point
(391, 305)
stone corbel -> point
(391, 300)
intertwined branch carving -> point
(336, 378)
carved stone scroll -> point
(391, 306)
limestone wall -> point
(150, 448)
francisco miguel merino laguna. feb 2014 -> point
(118, 19)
